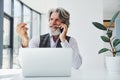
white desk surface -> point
(16, 74)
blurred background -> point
(34, 13)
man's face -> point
(54, 21)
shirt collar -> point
(51, 37)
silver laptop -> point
(46, 61)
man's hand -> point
(64, 32)
(22, 32)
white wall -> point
(83, 13)
(110, 7)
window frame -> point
(11, 18)
(1, 31)
(10, 46)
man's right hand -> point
(22, 32)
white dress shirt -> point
(76, 58)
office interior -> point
(34, 13)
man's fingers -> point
(63, 26)
(21, 24)
(26, 28)
(21, 30)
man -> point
(58, 23)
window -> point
(27, 19)
(16, 12)
(7, 42)
(7, 6)
(17, 20)
(6, 32)
(36, 24)
(1, 32)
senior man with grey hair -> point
(58, 24)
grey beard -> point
(55, 33)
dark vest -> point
(45, 41)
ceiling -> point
(109, 6)
(41, 6)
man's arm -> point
(34, 42)
(76, 58)
(22, 33)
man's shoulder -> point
(68, 36)
(35, 37)
(71, 38)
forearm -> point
(25, 42)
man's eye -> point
(51, 18)
(59, 20)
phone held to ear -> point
(61, 30)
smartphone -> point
(61, 30)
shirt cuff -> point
(65, 44)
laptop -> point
(37, 62)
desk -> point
(16, 74)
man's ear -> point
(66, 24)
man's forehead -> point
(55, 14)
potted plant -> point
(112, 62)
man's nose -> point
(53, 22)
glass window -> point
(27, 19)
(6, 32)
(17, 42)
(6, 59)
(6, 43)
(33, 24)
(36, 24)
(7, 6)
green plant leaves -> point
(103, 50)
(99, 26)
(105, 39)
(116, 42)
(109, 33)
(113, 18)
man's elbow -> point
(77, 64)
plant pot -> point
(113, 64)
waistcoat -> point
(45, 41)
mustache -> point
(54, 26)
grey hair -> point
(63, 15)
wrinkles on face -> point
(54, 21)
